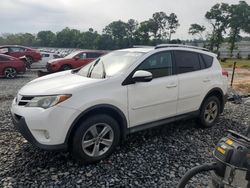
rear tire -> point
(95, 139)
(209, 112)
(10, 72)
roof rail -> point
(180, 45)
(142, 46)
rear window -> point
(208, 60)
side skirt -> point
(163, 121)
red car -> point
(74, 60)
(11, 66)
(32, 55)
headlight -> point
(47, 101)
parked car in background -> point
(74, 60)
(46, 56)
(90, 110)
(11, 66)
(32, 55)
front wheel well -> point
(219, 94)
(111, 111)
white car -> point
(46, 56)
(90, 110)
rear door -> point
(157, 99)
(193, 80)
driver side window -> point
(82, 55)
(159, 64)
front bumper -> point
(22, 127)
(44, 128)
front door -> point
(157, 99)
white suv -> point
(91, 109)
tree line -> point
(227, 23)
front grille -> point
(24, 100)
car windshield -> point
(110, 64)
(71, 55)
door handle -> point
(171, 85)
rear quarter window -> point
(207, 59)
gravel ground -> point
(154, 158)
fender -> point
(100, 107)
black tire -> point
(209, 112)
(10, 72)
(66, 67)
(30, 59)
(85, 154)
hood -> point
(59, 83)
(55, 60)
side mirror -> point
(142, 76)
(76, 57)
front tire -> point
(209, 112)
(66, 67)
(95, 138)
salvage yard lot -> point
(151, 158)
(242, 74)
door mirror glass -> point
(142, 76)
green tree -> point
(239, 19)
(218, 17)
(172, 24)
(131, 27)
(88, 39)
(46, 38)
(196, 29)
(142, 35)
(118, 31)
(68, 38)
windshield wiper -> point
(92, 68)
(103, 70)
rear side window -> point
(93, 55)
(187, 61)
(208, 60)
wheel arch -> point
(218, 93)
(108, 109)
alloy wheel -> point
(10, 73)
(211, 112)
(97, 140)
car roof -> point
(3, 55)
(96, 51)
(6, 46)
(184, 48)
(142, 49)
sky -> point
(35, 15)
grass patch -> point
(241, 63)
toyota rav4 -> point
(90, 110)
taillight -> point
(224, 73)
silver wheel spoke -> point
(104, 131)
(106, 142)
(88, 143)
(93, 131)
(96, 150)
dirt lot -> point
(152, 158)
